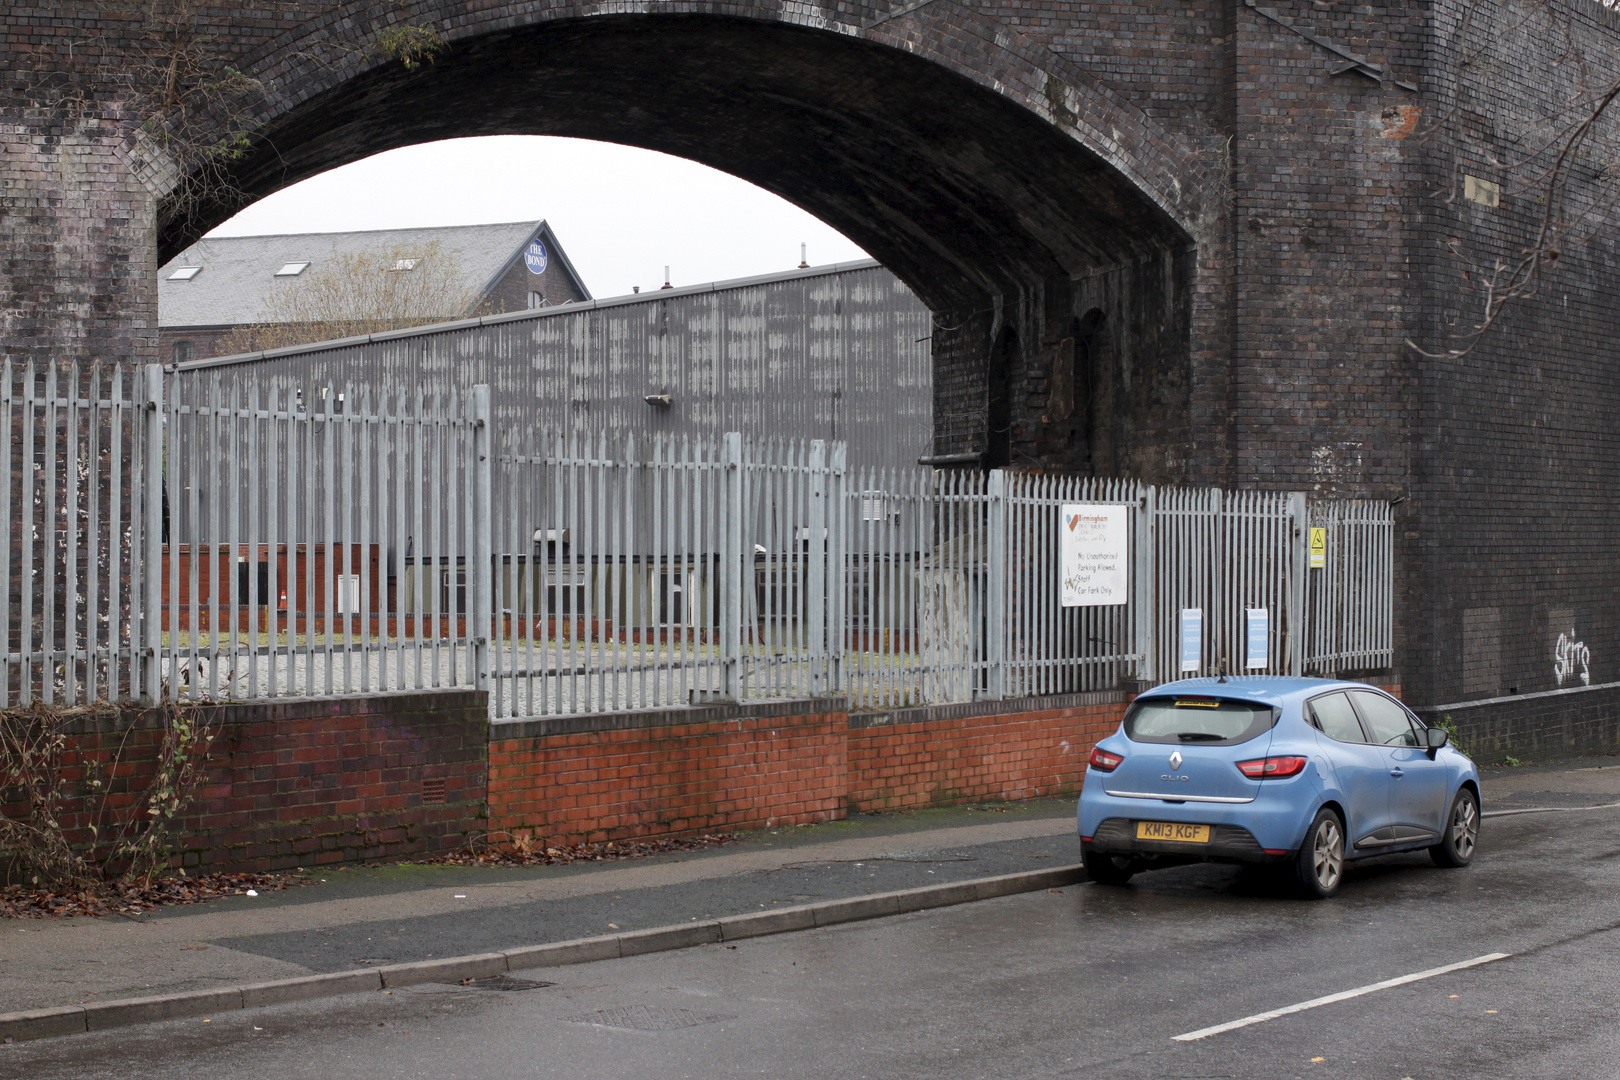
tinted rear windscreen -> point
(1210, 721)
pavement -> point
(1573, 782)
(372, 917)
(1506, 969)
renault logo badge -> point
(1175, 760)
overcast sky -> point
(622, 214)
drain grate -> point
(648, 1018)
(504, 982)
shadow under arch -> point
(975, 201)
(957, 189)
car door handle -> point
(1397, 773)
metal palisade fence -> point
(634, 573)
(70, 474)
(315, 548)
(175, 538)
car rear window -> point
(1191, 719)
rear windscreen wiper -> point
(1200, 736)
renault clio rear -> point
(1299, 773)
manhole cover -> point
(648, 1018)
(504, 982)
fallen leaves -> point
(111, 898)
(573, 853)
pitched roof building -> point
(218, 287)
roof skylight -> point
(292, 269)
(185, 273)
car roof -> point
(1266, 689)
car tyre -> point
(1107, 869)
(1460, 838)
(1319, 866)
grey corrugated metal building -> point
(831, 352)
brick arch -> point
(972, 161)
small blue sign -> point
(535, 256)
(1192, 638)
(1259, 638)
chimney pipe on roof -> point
(666, 284)
(804, 259)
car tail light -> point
(1103, 761)
(1271, 768)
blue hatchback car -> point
(1299, 773)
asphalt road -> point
(1085, 982)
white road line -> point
(1548, 810)
(1260, 1018)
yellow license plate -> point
(1170, 830)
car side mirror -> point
(1438, 737)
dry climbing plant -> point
(1559, 154)
(176, 78)
(73, 820)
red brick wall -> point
(991, 750)
(303, 782)
(623, 775)
(668, 771)
(672, 771)
(206, 342)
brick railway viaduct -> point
(1183, 241)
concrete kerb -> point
(77, 1019)
(43, 1023)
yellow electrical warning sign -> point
(1318, 549)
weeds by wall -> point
(75, 812)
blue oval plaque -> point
(535, 256)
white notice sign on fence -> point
(1094, 555)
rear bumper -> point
(1275, 819)
(1227, 844)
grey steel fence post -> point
(995, 587)
(1299, 538)
(1144, 594)
(815, 554)
(1216, 628)
(151, 618)
(731, 570)
(838, 518)
(483, 555)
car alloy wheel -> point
(1319, 864)
(1464, 828)
(1327, 854)
(1461, 839)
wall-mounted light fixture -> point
(657, 401)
